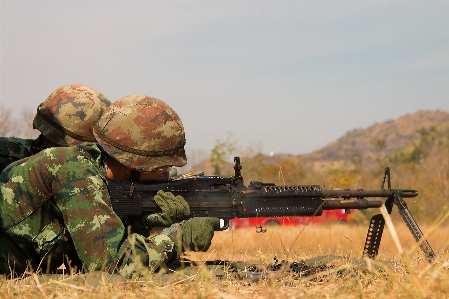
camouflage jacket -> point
(13, 149)
(54, 207)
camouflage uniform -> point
(66, 118)
(54, 208)
(13, 149)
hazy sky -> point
(289, 76)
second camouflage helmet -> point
(143, 133)
(68, 115)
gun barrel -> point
(357, 204)
(368, 193)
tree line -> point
(423, 165)
(17, 124)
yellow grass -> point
(292, 242)
(414, 279)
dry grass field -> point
(293, 242)
(410, 277)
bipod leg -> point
(374, 236)
(414, 229)
(377, 223)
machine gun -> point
(227, 198)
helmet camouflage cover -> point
(143, 133)
(68, 115)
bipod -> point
(377, 224)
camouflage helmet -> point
(143, 133)
(68, 115)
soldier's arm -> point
(98, 234)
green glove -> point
(194, 234)
(173, 209)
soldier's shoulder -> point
(91, 150)
(15, 147)
(83, 149)
(74, 158)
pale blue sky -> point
(289, 76)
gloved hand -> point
(174, 209)
(194, 234)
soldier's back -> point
(13, 149)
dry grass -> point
(290, 242)
(413, 279)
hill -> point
(408, 140)
(360, 146)
(380, 140)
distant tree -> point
(288, 171)
(221, 154)
(8, 125)
(343, 178)
(26, 127)
(420, 150)
(427, 142)
(380, 145)
(356, 159)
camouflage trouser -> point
(12, 259)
